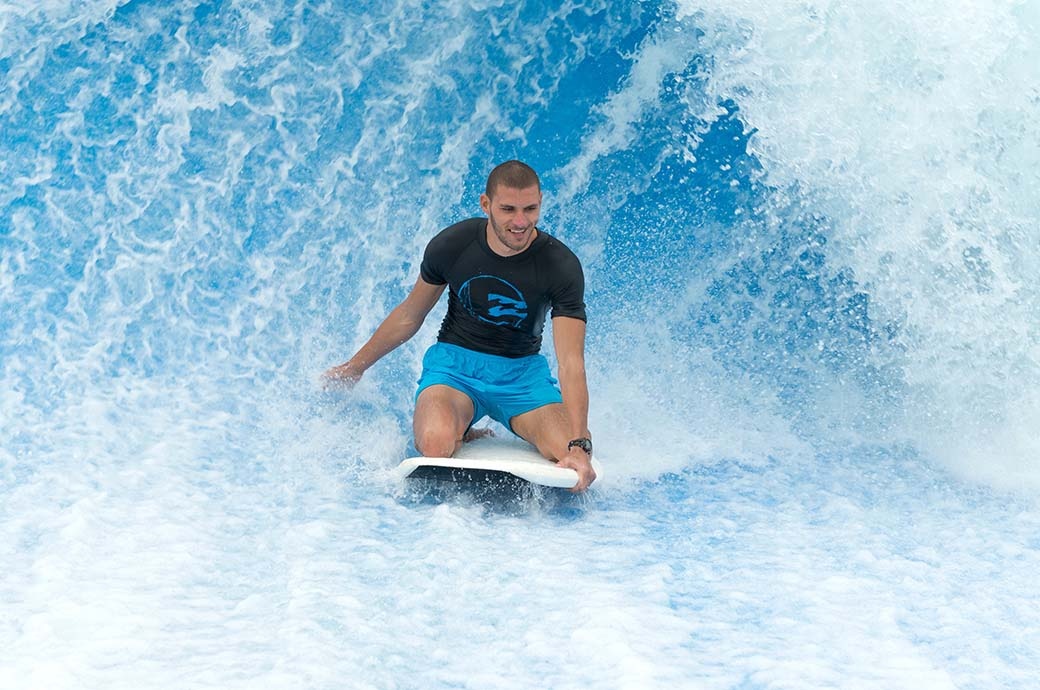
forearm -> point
(400, 325)
(395, 330)
(575, 392)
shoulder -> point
(443, 251)
(457, 235)
(566, 280)
(559, 254)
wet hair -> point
(514, 175)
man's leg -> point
(442, 416)
(549, 428)
(546, 427)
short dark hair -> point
(513, 174)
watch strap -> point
(584, 443)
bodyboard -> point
(493, 460)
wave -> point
(804, 225)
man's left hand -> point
(579, 461)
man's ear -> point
(485, 203)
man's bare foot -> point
(473, 434)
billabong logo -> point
(494, 301)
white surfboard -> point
(490, 459)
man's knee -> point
(436, 442)
(441, 417)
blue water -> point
(810, 239)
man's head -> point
(513, 174)
(512, 202)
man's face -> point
(512, 215)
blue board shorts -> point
(500, 387)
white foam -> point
(908, 125)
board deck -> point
(493, 460)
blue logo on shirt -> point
(493, 301)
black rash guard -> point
(497, 304)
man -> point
(504, 276)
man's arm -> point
(569, 341)
(400, 325)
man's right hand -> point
(341, 377)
